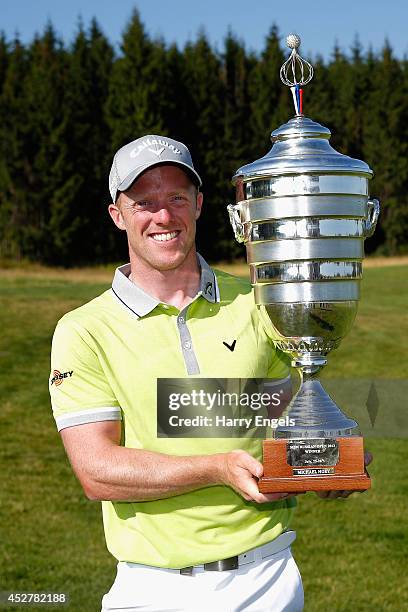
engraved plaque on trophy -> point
(303, 212)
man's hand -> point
(335, 494)
(241, 471)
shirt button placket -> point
(190, 359)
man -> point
(183, 517)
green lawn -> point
(353, 553)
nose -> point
(162, 215)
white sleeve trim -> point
(276, 382)
(92, 415)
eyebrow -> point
(148, 196)
(177, 191)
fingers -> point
(262, 498)
(332, 494)
(343, 494)
(329, 494)
(322, 494)
(268, 497)
(241, 459)
(241, 472)
(245, 460)
(249, 486)
(337, 494)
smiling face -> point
(159, 213)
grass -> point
(352, 553)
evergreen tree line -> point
(65, 109)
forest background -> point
(66, 108)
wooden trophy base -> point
(321, 464)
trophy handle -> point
(236, 223)
(373, 210)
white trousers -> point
(272, 584)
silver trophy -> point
(303, 212)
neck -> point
(177, 287)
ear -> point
(199, 204)
(116, 215)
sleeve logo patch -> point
(58, 377)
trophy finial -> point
(296, 72)
(293, 41)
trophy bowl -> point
(303, 212)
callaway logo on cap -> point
(139, 155)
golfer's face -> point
(159, 213)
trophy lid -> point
(301, 146)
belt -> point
(255, 554)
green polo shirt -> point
(106, 358)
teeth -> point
(164, 237)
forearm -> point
(127, 474)
(108, 471)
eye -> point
(178, 197)
(140, 205)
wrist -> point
(217, 468)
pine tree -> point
(139, 86)
(108, 245)
(237, 138)
(270, 100)
(317, 97)
(359, 84)
(79, 221)
(4, 59)
(13, 158)
(176, 111)
(386, 149)
(339, 89)
(236, 68)
(5, 222)
(203, 132)
(44, 92)
(348, 88)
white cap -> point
(145, 152)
